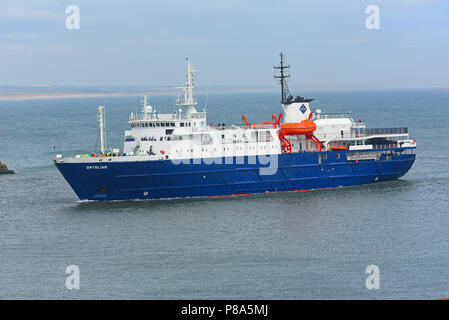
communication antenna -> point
(207, 97)
(282, 78)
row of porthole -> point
(227, 149)
(151, 125)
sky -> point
(232, 43)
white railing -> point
(334, 115)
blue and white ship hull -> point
(179, 155)
(122, 180)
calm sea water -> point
(313, 244)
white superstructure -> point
(185, 133)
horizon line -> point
(18, 96)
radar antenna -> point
(282, 78)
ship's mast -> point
(282, 78)
(144, 101)
(189, 86)
(189, 102)
(102, 122)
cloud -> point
(41, 49)
(19, 35)
(29, 10)
(415, 3)
(405, 46)
(167, 43)
(215, 4)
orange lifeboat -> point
(340, 147)
(304, 127)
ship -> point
(179, 155)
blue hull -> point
(165, 179)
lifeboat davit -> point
(305, 127)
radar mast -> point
(189, 102)
(282, 78)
